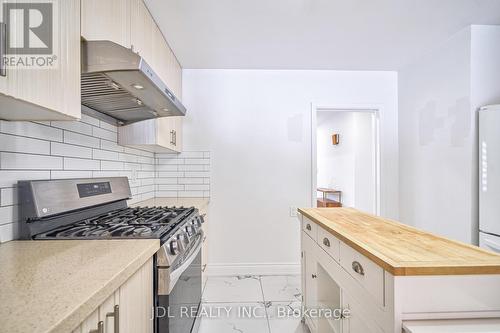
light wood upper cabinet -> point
(48, 93)
(130, 24)
(156, 135)
(106, 20)
(141, 30)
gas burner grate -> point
(136, 222)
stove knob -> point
(183, 237)
(174, 247)
(189, 230)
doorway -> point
(346, 159)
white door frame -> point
(375, 109)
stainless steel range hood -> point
(119, 83)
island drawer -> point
(365, 271)
(310, 228)
(329, 243)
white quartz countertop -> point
(52, 286)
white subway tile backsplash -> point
(167, 167)
(70, 174)
(125, 157)
(81, 140)
(9, 161)
(22, 144)
(8, 214)
(31, 129)
(104, 134)
(160, 181)
(197, 187)
(191, 154)
(191, 167)
(74, 126)
(108, 145)
(9, 178)
(89, 120)
(63, 149)
(109, 127)
(89, 149)
(170, 161)
(197, 174)
(8, 196)
(166, 194)
(170, 187)
(99, 154)
(110, 165)
(190, 194)
(192, 180)
(8, 232)
(81, 164)
(170, 174)
(187, 174)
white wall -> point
(336, 164)
(365, 161)
(438, 98)
(257, 126)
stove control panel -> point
(92, 189)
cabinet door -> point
(141, 30)
(109, 311)
(358, 321)
(106, 20)
(310, 279)
(90, 324)
(136, 301)
(48, 93)
(170, 133)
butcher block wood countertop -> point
(402, 250)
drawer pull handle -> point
(356, 266)
(116, 318)
(308, 227)
(100, 328)
(326, 242)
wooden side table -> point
(327, 202)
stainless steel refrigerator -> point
(489, 178)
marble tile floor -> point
(252, 304)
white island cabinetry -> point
(364, 267)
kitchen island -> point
(385, 272)
(70, 285)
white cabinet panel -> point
(365, 271)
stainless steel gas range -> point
(97, 209)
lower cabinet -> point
(128, 310)
(328, 286)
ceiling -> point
(312, 34)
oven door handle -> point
(175, 275)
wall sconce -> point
(335, 139)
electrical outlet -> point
(293, 211)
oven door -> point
(183, 301)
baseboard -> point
(252, 269)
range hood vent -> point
(119, 83)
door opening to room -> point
(346, 159)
